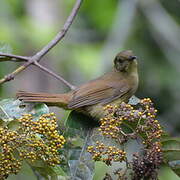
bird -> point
(92, 97)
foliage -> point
(87, 51)
(34, 139)
(171, 150)
(29, 133)
(122, 124)
(141, 126)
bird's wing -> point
(98, 91)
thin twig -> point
(61, 34)
(82, 153)
(54, 75)
(13, 56)
(37, 57)
(11, 76)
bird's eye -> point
(121, 61)
(118, 59)
(132, 57)
(118, 62)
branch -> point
(37, 57)
(11, 76)
(54, 75)
(13, 56)
(61, 34)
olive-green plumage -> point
(112, 88)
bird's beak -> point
(131, 58)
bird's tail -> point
(60, 100)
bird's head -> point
(125, 61)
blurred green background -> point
(102, 28)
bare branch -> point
(12, 75)
(37, 57)
(54, 75)
(13, 56)
(61, 34)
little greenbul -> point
(90, 98)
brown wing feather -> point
(98, 92)
(61, 100)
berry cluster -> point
(148, 125)
(32, 140)
(142, 124)
(106, 154)
(140, 118)
(116, 116)
(8, 163)
(146, 166)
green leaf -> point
(100, 170)
(11, 109)
(80, 162)
(78, 125)
(166, 173)
(80, 121)
(82, 167)
(171, 148)
(26, 173)
(55, 172)
(175, 166)
(5, 48)
(171, 152)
